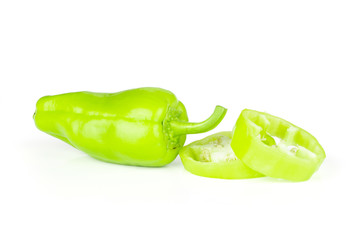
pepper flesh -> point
(213, 157)
(295, 157)
(143, 126)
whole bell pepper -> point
(143, 126)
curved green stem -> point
(181, 127)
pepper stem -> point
(182, 127)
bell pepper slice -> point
(213, 157)
(295, 156)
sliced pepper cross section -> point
(213, 157)
(275, 147)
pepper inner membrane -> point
(282, 135)
(216, 150)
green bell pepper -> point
(213, 157)
(144, 126)
(295, 156)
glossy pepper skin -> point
(295, 157)
(143, 126)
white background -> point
(295, 59)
